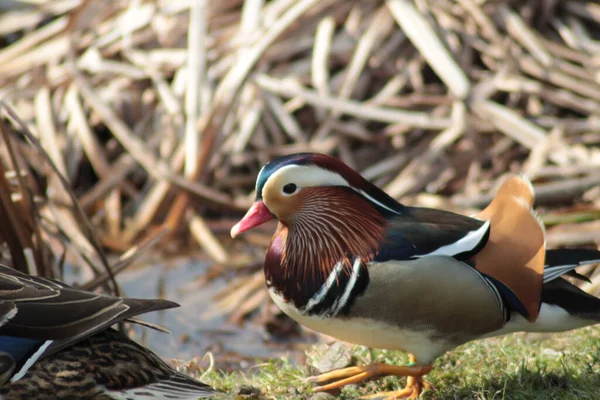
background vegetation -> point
(159, 114)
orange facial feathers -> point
(514, 253)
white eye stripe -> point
(310, 176)
(302, 176)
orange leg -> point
(346, 376)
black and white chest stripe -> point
(336, 296)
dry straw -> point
(160, 113)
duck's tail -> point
(561, 262)
(558, 292)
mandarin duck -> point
(349, 261)
(56, 342)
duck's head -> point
(304, 187)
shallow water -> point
(186, 321)
(192, 335)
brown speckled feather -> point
(105, 366)
(514, 253)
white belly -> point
(371, 333)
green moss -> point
(558, 366)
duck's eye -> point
(290, 188)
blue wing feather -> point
(396, 247)
(18, 348)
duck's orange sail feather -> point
(515, 251)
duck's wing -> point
(422, 232)
(40, 316)
(505, 242)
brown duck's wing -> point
(37, 308)
(514, 252)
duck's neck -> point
(316, 256)
(296, 282)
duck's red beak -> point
(256, 215)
